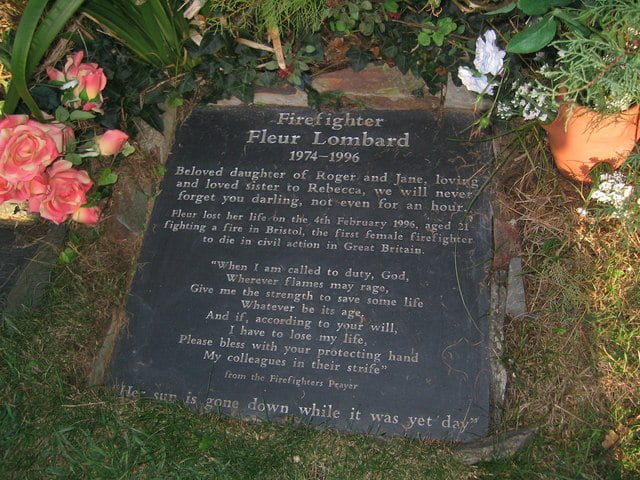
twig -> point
(256, 45)
(84, 405)
(274, 35)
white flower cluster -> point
(613, 190)
(619, 103)
(528, 100)
(489, 60)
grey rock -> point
(496, 447)
(133, 203)
(153, 143)
(516, 299)
(284, 95)
(498, 379)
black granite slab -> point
(326, 266)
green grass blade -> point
(161, 17)
(21, 46)
(150, 30)
(55, 20)
(155, 22)
(5, 59)
(124, 24)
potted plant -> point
(597, 78)
(581, 82)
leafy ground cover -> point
(574, 366)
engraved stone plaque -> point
(328, 266)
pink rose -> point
(64, 192)
(27, 147)
(87, 215)
(111, 142)
(90, 81)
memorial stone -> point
(328, 266)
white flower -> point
(612, 190)
(478, 84)
(489, 58)
(582, 212)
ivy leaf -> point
(359, 58)
(340, 26)
(354, 11)
(107, 177)
(424, 38)
(160, 170)
(175, 102)
(81, 115)
(438, 38)
(61, 114)
(390, 50)
(391, 6)
(446, 25)
(209, 46)
(533, 38)
(127, 149)
(366, 28)
(74, 158)
(68, 255)
(71, 145)
(402, 62)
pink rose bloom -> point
(87, 215)
(62, 192)
(111, 142)
(90, 82)
(27, 147)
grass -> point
(574, 366)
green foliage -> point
(153, 30)
(300, 61)
(429, 46)
(349, 17)
(229, 68)
(36, 32)
(535, 37)
(134, 89)
(601, 71)
(359, 57)
(539, 7)
(107, 177)
(436, 33)
(292, 16)
(543, 19)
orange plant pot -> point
(580, 139)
